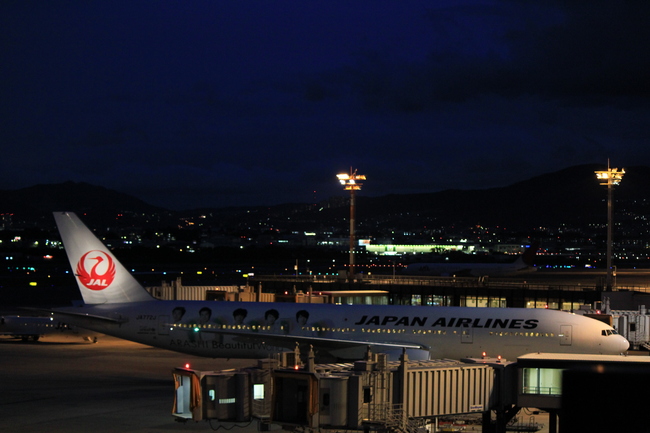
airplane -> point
(524, 263)
(33, 328)
(114, 303)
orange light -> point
(499, 358)
(296, 367)
(187, 365)
(484, 354)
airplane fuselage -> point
(443, 332)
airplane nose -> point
(624, 344)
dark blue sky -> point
(215, 103)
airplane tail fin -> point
(100, 276)
(528, 256)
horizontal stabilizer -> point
(90, 317)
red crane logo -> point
(96, 270)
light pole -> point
(351, 183)
(610, 177)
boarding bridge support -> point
(503, 396)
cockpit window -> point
(607, 332)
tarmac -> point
(63, 384)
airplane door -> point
(565, 335)
(163, 325)
(467, 336)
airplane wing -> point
(290, 341)
(87, 316)
(80, 315)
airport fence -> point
(454, 282)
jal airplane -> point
(116, 304)
(524, 263)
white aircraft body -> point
(524, 263)
(116, 304)
(33, 328)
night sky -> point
(189, 104)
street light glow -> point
(349, 181)
(610, 176)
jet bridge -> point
(232, 396)
(374, 394)
(370, 394)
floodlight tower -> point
(351, 183)
(610, 177)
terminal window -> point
(258, 391)
(482, 302)
(543, 381)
